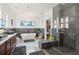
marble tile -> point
(19, 51)
(30, 46)
(67, 51)
(52, 51)
(37, 53)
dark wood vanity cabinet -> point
(13, 42)
(7, 47)
(3, 49)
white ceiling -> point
(20, 7)
(24, 9)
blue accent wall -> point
(54, 32)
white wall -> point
(35, 20)
(7, 11)
(33, 16)
(38, 18)
(48, 14)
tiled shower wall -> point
(71, 34)
(77, 27)
(56, 13)
(69, 11)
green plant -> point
(53, 38)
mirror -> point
(2, 23)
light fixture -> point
(16, 7)
(27, 7)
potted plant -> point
(52, 37)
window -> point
(62, 23)
(66, 22)
(2, 23)
(27, 23)
(54, 23)
(6, 21)
(62, 20)
(62, 26)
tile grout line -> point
(44, 51)
(58, 50)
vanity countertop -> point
(7, 38)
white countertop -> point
(7, 38)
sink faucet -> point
(2, 31)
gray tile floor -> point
(32, 50)
(19, 51)
(38, 53)
(67, 51)
(30, 46)
(52, 51)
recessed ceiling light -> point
(27, 7)
(16, 7)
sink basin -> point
(2, 36)
(9, 32)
